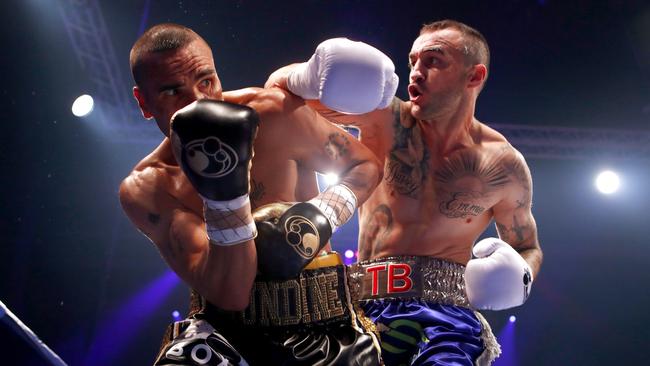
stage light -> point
(512, 318)
(607, 182)
(176, 314)
(331, 178)
(83, 105)
(349, 254)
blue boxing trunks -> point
(419, 307)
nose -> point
(416, 73)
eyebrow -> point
(436, 48)
(205, 73)
(175, 85)
(169, 86)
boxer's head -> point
(172, 66)
(449, 64)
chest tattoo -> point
(465, 181)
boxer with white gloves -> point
(195, 196)
(446, 177)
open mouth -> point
(414, 92)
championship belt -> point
(426, 278)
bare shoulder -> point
(139, 193)
(145, 192)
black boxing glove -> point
(213, 144)
(289, 237)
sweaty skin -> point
(446, 175)
(292, 143)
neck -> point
(450, 131)
(165, 153)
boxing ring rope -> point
(20, 329)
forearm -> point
(222, 274)
(362, 179)
(533, 256)
(228, 276)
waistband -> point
(317, 296)
(399, 277)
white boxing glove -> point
(346, 76)
(498, 278)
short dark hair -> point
(475, 46)
(159, 38)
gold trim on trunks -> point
(318, 295)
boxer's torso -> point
(430, 203)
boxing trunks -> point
(308, 320)
(194, 341)
(420, 309)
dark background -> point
(74, 269)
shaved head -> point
(157, 39)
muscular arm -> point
(326, 148)
(223, 275)
(514, 220)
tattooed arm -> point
(179, 234)
(330, 149)
(513, 216)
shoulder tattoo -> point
(337, 145)
(406, 166)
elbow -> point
(373, 173)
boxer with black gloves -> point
(446, 177)
(300, 311)
(193, 196)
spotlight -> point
(607, 182)
(512, 318)
(331, 178)
(176, 314)
(83, 105)
(349, 254)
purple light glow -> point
(349, 254)
(507, 340)
(121, 326)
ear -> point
(477, 76)
(143, 107)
